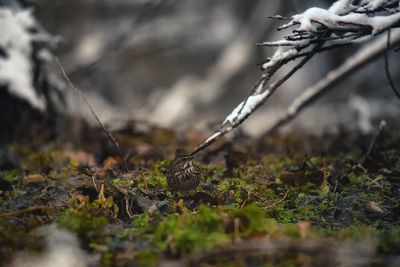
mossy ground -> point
(286, 200)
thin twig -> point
(94, 183)
(145, 183)
(382, 125)
(19, 212)
(236, 231)
(387, 70)
(80, 93)
(279, 17)
(278, 202)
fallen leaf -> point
(34, 179)
(374, 207)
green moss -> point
(309, 213)
(106, 255)
(250, 201)
(283, 215)
(99, 247)
(389, 241)
(209, 227)
(250, 171)
(157, 177)
(234, 189)
(87, 217)
(149, 179)
(36, 161)
(140, 226)
(357, 179)
(122, 182)
(69, 170)
(81, 223)
(392, 156)
(11, 175)
(276, 164)
(188, 232)
(146, 257)
(256, 220)
(107, 259)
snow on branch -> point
(316, 30)
(355, 62)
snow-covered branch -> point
(346, 22)
(363, 57)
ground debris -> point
(291, 200)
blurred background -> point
(188, 64)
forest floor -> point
(284, 200)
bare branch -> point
(82, 95)
(387, 69)
(279, 17)
(382, 125)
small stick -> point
(145, 183)
(80, 93)
(247, 199)
(236, 231)
(94, 183)
(387, 71)
(101, 196)
(279, 17)
(128, 208)
(372, 144)
(278, 202)
(19, 212)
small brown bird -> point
(183, 175)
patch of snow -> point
(315, 14)
(341, 13)
(380, 23)
(16, 64)
(62, 250)
(341, 7)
